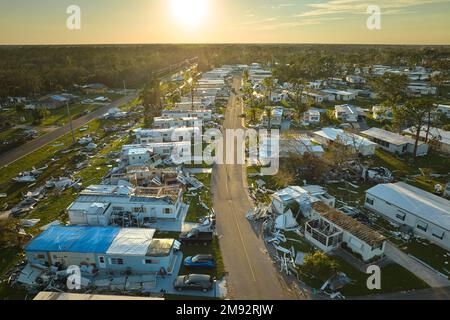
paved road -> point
(15, 154)
(421, 271)
(251, 273)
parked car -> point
(194, 282)
(200, 261)
(196, 237)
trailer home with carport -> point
(395, 143)
(327, 136)
(330, 229)
(425, 213)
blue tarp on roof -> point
(74, 239)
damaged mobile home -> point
(104, 205)
(103, 249)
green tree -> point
(38, 115)
(415, 113)
(390, 86)
(320, 265)
(20, 110)
(300, 88)
(269, 86)
(151, 100)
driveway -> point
(251, 273)
(20, 152)
(421, 271)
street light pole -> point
(70, 121)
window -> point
(422, 226)
(137, 210)
(401, 216)
(118, 261)
(370, 201)
(151, 261)
(101, 259)
(40, 256)
(438, 233)
(167, 211)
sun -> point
(189, 12)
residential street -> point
(20, 152)
(251, 273)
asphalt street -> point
(15, 154)
(251, 273)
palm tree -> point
(269, 88)
(268, 113)
(300, 88)
(191, 80)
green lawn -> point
(394, 278)
(196, 210)
(405, 166)
(213, 249)
(431, 254)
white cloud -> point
(339, 7)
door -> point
(102, 262)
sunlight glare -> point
(189, 12)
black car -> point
(196, 237)
(194, 282)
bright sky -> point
(224, 21)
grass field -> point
(394, 278)
(431, 254)
(196, 210)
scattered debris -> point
(28, 223)
(378, 174)
(54, 223)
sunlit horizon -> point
(224, 21)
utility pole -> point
(70, 121)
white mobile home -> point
(395, 143)
(444, 109)
(382, 113)
(144, 136)
(312, 97)
(104, 248)
(340, 95)
(284, 199)
(166, 123)
(276, 119)
(362, 145)
(141, 154)
(288, 145)
(427, 214)
(200, 114)
(348, 113)
(311, 117)
(330, 229)
(438, 137)
(104, 205)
